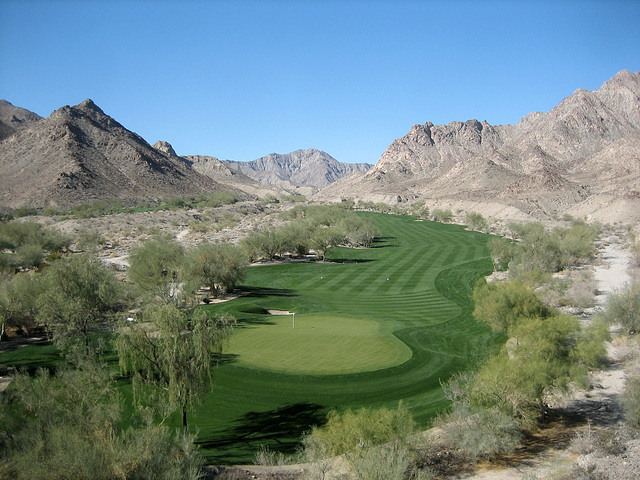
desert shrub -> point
(581, 293)
(156, 266)
(18, 300)
(217, 199)
(29, 256)
(198, 226)
(175, 202)
(357, 231)
(218, 266)
(384, 462)
(267, 457)
(419, 209)
(16, 234)
(97, 207)
(476, 222)
(79, 295)
(501, 304)
(294, 198)
(589, 348)
(443, 216)
(623, 307)
(502, 252)
(24, 212)
(539, 249)
(269, 198)
(345, 432)
(631, 401)
(89, 239)
(480, 432)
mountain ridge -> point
(79, 154)
(541, 166)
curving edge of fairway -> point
(318, 345)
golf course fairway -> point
(373, 327)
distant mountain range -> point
(582, 158)
(309, 167)
(79, 154)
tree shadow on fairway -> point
(279, 429)
(225, 358)
(349, 260)
(382, 242)
(256, 291)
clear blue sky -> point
(242, 79)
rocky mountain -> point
(13, 119)
(79, 154)
(311, 167)
(582, 157)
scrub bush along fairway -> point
(372, 327)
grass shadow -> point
(349, 260)
(383, 242)
(280, 429)
(259, 291)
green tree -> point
(155, 268)
(18, 300)
(502, 304)
(357, 231)
(172, 353)
(68, 425)
(324, 238)
(79, 293)
(502, 252)
(218, 266)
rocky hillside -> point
(79, 154)
(13, 119)
(582, 157)
(310, 167)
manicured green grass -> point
(318, 345)
(415, 284)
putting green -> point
(318, 345)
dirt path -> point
(600, 405)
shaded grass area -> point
(411, 291)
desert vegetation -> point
(386, 283)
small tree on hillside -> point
(171, 353)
